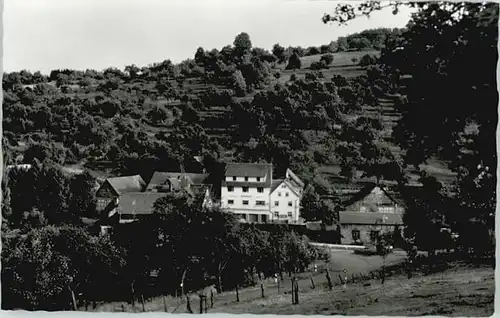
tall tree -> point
(242, 43)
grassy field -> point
(456, 292)
(341, 259)
(460, 290)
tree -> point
(82, 192)
(242, 43)
(158, 114)
(43, 151)
(67, 261)
(132, 70)
(279, 52)
(366, 60)
(240, 85)
(327, 58)
(316, 209)
(294, 62)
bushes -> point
(294, 62)
(367, 60)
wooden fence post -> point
(211, 298)
(296, 292)
(262, 288)
(188, 304)
(237, 294)
(293, 292)
(312, 283)
(329, 279)
(165, 303)
(142, 302)
(201, 304)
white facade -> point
(285, 203)
(249, 191)
(251, 203)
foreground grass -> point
(461, 291)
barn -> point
(368, 214)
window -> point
(234, 178)
(374, 235)
(244, 216)
(260, 202)
(245, 202)
(258, 179)
(264, 218)
(289, 214)
(260, 190)
(279, 194)
(283, 186)
(386, 209)
(276, 215)
(230, 189)
(230, 201)
(276, 203)
(290, 203)
(246, 178)
(355, 235)
(245, 189)
(286, 194)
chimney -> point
(271, 171)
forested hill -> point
(127, 117)
(295, 107)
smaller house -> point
(113, 188)
(368, 214)
(193, 183)
(285, 196)
(132, 206)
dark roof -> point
(248, 169)
(138, 202)
(371, 218)
(365, 191)
(294, 178)
(160, 178)
(275, 184)
(127, 184)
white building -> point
(249, 190)
(285, 198)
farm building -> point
(132, 206)
(369, 213)
(113, 188)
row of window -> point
(374, 235)
(278, 216)
(277, 203)
(246, 202)
(259, 190)
(246, 179)
(245, 189)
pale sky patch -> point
(79, 34)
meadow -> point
(463, 290)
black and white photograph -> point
(277, 157)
